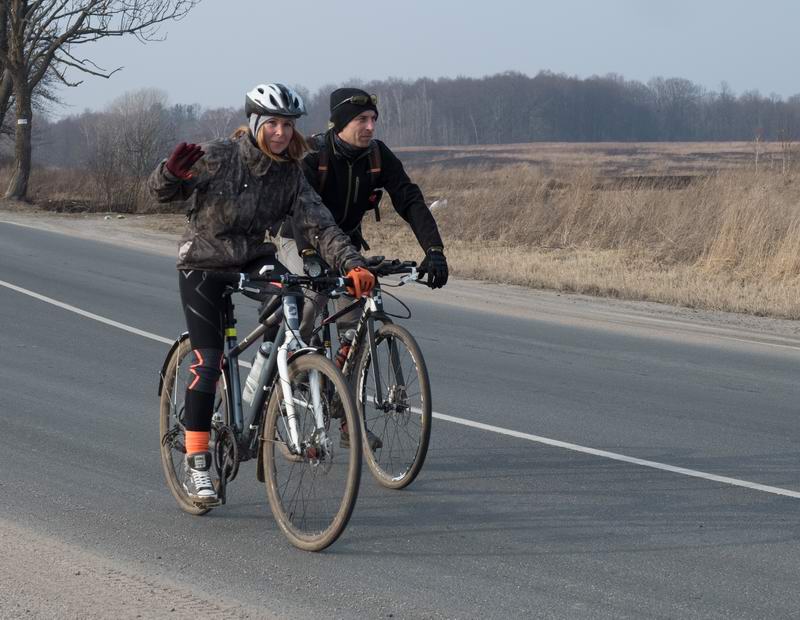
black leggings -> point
(203, 304)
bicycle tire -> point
(404, 430)
(173, 393)
(311, 518)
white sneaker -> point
(196, 479)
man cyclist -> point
(346, 167)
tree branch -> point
(62, 78)
(78, 64)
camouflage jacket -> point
(238, 193)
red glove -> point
(363, 281)
(182, 159)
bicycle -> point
(386, 368)
(311, 484)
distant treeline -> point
(512, 107)
(499, 109)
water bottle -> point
(250, 385)
(344, 346)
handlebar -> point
(253, 284)
(249, 283)
(381, 266)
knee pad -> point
(205, 371)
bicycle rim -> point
(311, 494)
(402, 421)
(172, 409)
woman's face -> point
(278, 132)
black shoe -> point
(196, 479)
(336, 408)
(373, 440)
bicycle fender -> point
(260, 458)
(163, 371)
(305, 351)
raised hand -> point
(183, 158)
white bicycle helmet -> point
(274, 100)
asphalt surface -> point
(495, 526)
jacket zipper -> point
(349, 187)
(349, 184)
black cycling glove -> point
(435, 265)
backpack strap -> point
(374, 175)
(322, 167)
(374, 163)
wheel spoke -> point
(402, 419)
(172, 411)
(309, 494)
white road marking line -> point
(23, 225)
(619, 457)
(755, 486)
(96, 317)
(88, 315)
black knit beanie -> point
(343, 113)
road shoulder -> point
(154, 233)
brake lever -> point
(412, 276)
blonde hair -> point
(298, 146)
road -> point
(625, 464)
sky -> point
(224, 47)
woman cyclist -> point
(240, 187)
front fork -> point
(293, 342)
(375, 307)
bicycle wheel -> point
(402, 420)
(311, 493)
(173, 448)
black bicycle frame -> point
(365, 322)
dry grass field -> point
(698, 225)
(706, 225)
(610, 159)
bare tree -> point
(102, 155)
(219, 122)
(125, 143)
(5, 75)
(40, 96)
(144, 132)
(46, 35)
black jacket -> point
(348, 186)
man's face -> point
(359, 131)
